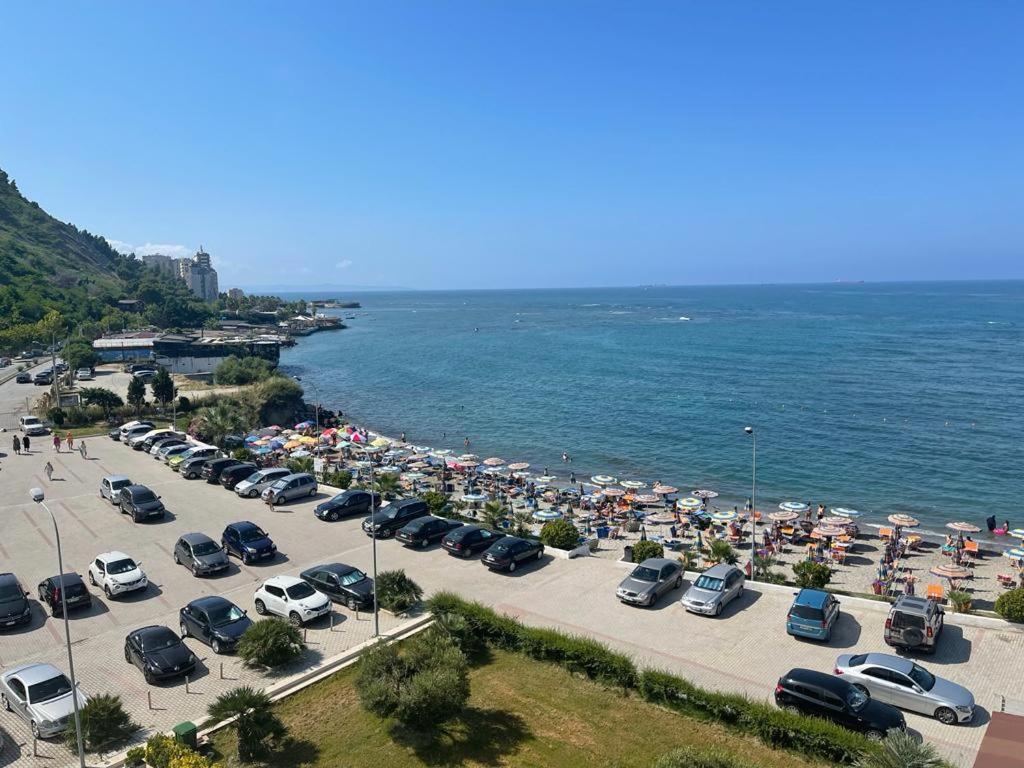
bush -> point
(690, 757)
(241, 370)
(646, 549)
(135, 757)
(722, 552)
(396, 592)
(300, 464)
(436, 500)
(342, 479)
(901, 750)
(252, 717)
(56, 416)
(1010, 605)
(811, 574)
(270, 643)
(243, 454)
(104, 722)
(560, 534)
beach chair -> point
(885, 533)
(1006, 580)
(935, 592)
(972, 550)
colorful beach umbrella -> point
(633, 484)
(1016, 532)
(836, 522)
(380, 442)
(545, 515)
(690, 502)
(494, 461)
(793, 506)
(603, 480)
(1014, 554)
(546, 479)
(519, 466)
(904, 521)
(783, 516)
(661, 518)
(665, 490)
(612, 492)
(305, 425)
(950, 571)
(647, 498)
(963, 527)
(292, 444)
(467, 458)
(826, 531)
(845, 512)
(724, 516)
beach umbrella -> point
(493, 471)
(468, 457)
(665, 490)
(826, 531)
(494, 461)
(963, 527)
(703, 493)
(690, 502)
(793, 506)
(519, 466)
(647, 498)
(603, 480)
(904, 521)
(306, 439)
(419, 465)
(950, 571)
(1014, 554)
(520, 475)
(723, 517)
(301, 453)
(304, 425)
(413, 476)
(632, 484)
(836, 522)
(662, 518)
(380, 442)
(389, 470)
(613, 493)
(474, 497)
(292, 444)
(262, 450)
(844, 512)
(442, 452)
(545, 515)
(546, 479)
(783, 517)
(1016, 533)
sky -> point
(535, 143)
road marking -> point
(39, 530)
(69, 470)
(81, 522)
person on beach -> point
(466, 442)
(908, 583)
(402, 437)
(26, 444)
(572, 476)
(17, 444)
(56, 442)
(70, 439)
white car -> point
(84, 374)
(291, 598)
(117, 574)
(31, 425)
(40, 694)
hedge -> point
(808, 736)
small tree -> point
(902, 750)
(136, 393)
(104, 723)
(386, 484)
(300, 464)
(763, 570)
(560, 534)
(396, 592)
(494, 513)
(436, 500)
(722, 552)
(341, 478)
(162, 386)
(646, 549)
(1010, 605)
(270, 643)
(56, 415)
(104, 398)
(811, 574)
(255, 723)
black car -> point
(140, 502)
(14, 605)
(509, 551)
(233, 475)
(23, 378)
(43, 378)
(211, 470)
(386, 521)
(191, 468)
(804, 691)
(247, 541)
(158, 653)
(469, 539)
(215, 621)
(75, 593)
(350, 502)
(425, 530)
(342, 583)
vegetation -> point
(386, 484)
(163, 751)
(104, 398)
(436, 500)
(162, 386)
(257, 727)
(692, 757)
(1010, 605)
(423, 686)
(299, 464)
(560, 534)
(136, 393)
(242, 370)
(396, 592)
(270, 643)
(764, 566)
(960, 600)
(104, 723)
(78, 353)
(722, 552)
(494, 513)
(811, 574)
(215, 422)
(901, 750)
(341, 478)
(646, 549)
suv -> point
(290, 487)
(14, 605)
(117, 573)
(813, 614)
(248, 542)
(350, 502)
(804, 691)
(388, 520)
(140, 502)
(75, 593)
(200, 554)
(43, 378)
(654, 577)
(914, 623)
(211, 470)
(232, 476)
(714, 589)
(23, 378)
(252, 486)
(291, 598)
(31, 425)
(424, 530)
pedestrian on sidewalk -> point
(17, 444)
(81, 449)
(56, 442)
(48, 469)
(70, 441)
(26, 444)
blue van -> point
(813, 614)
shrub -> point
(722, 552)
(104, 722)
(243, 454)
(901, 750)
(190, 759)
(811, 574)
(396, 592)
(960, 600)
(253, 719)
(436, 500)
(300, 464)
(646, 549)
(691, 757)
(270, 643)
(160, 748)
(1010, 605)
(56, 416)
(560, 534)
(342, 479)
(241, 370)
(135, 757)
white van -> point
(30, 425)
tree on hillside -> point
(136, 393)
(162, 386)
(79, 353)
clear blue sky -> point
(533, 143)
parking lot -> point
(745, 650)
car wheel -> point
(215, 645)
(4, 702)
(679, 582)
(177, 560)
(148, 677)
(946, 716)
(332, 516)
(312, 492)
(279, 500)
(127, 656)
(106, 591)
(91, 579)
(195, 571)
(540, 554)
(352, 604)
(875, 735)
(54, 611)
(739, 592)
(245, 559)
(252, 494)
(718, 610)
(184, 630)
(294, 619)
(512, 566)
(828, 636)
(34, 728)
(424, 543)
(261, 609)
(467, 554)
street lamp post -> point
(753, 497)
(38, 497)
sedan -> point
(117, 574)
(252, 486)
(40, 694)
(342, 583)
(650, 580)
(351, 502)
(158, 653)
(248, 542)
(902, 683)
(509, 551)
(469, 539)
(14, 606)
(425, 530)
(215, 621)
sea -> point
(897, 397)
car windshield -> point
(922, 677)
(352, 577)
(205, 548)
(224, 614)
(143, 496)
(120, 484)
(299, 591)
(121, 566)
(805, 612)
(49, 689)
(159, 639)
(279, 485)
(856, 700)
(644, 574)
(11, 591)
(709, 583)
(251, 534)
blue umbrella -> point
(793, 506)
(1015, 554)
(544, 515)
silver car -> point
(290, 487)
(111, 485)
(654, 577)
(260, 480)
(714, 589)
(40, 694)
(902, 683)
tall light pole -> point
(38, 497)
(753, 497)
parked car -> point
(211, 469)
(253, 485)
(215, 621)
(128, 426)
(111, 485)
(127, 437)
(145, 374)
(158, 653)
(32, 426)
(914, 624)
(389, 519)
(15, 608)
(248, 542)
(425, 530)
(117, 574)
(40, 694)
(192, 468)
(140, 502)
(508, 552)
(813, 614)
(84, 374)
(714, 589)
(904, 684)
(291, 598)
(200, 554)
(231, 476)
(164, 442)
(43, 378)
(199, 453)
(145, 441)
(805, 691)
(651, 579)
(342, 583)
(75, 593)
(23, 378)
(168, 452)
(290, 487)
(354, 501)
(467, 540)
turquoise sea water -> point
(888, 397)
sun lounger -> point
(972, 549)
(936, 592)
(884, 533)
(1007, 580)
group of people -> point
(23, 445)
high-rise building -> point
(197, 272)
(165, 264)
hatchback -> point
(111, 485)
(158, 653)
(654, 577)
(248, 542)
(168, 452)
(807, 692)
(140, 502)
(117, 574)
(290, 487)
(508, 552)
(252, 486)
(714, 589)
(200, 554)
(40, 694)
(215, 621)
(73, 588)
(425, 530)
(813, 614)
(469, 539)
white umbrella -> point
(603, 480)
(613, 492)
(494, 461)
(1017, 533)
(665, 490)
(844, 512)
(519, 465)
(703, 493)
(904, 521)
(963, 527)
(783, 517)
(634, 484)
(468, 458)
(413, 476)
(793, 506)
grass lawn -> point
(521, 713)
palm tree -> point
(255, 723)
(386, 484)
(523, 521)
(722, 552)
(901, 750)
(494, 513)
(219, 420)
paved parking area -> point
(744, 650)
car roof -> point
(152, 629)
(820, 679)
(113, 555)
(210, 601)
(338, 568)
(66, 579)
(242, 525)
(135, 488)
(30, 674)
(7, 579)
(283, 581)
(812, 598)
(466, 529)
(406, 502)
(196, 538)
(721, 570)
(887, 660)
(117, 478)
(294, 475)
(656, 562)
(912, 603)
